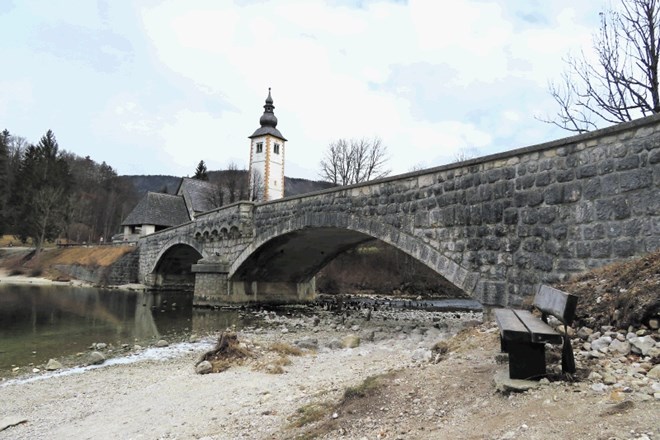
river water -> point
(42, 322)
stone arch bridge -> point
(495, 226)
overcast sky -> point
(154, 86)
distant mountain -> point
(293, 186)
(144, 184)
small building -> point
(156, 211)
(199, 196)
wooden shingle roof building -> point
(158, 211)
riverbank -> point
(111, 266)
(7, 278)
(399, 382)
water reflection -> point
(42, 322)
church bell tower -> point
(267, 157)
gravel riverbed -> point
(422, 394)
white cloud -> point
(15, 95)
(430, 78)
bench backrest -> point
(551, 301)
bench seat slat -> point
(540, 332)
(511, 328)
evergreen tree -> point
(200, 171)
(96, 200)
(41, 192)
(4, 179)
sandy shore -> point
(6, 278)
(24, 279)
(153, 399)
(417, 399)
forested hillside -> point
(48, 193)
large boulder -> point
(422, 355)
(53, 365)
(204, 367)
(350, 341)
(622, 347)
(654, 373)
(600, 343)
(307, 343)
(95, 358)
(642, 345)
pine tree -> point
(41, 194)
(200, 171)
(4, 179)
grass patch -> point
(364, 389)
(314, 419)
(274, 366)
(101, 256)
(310, 413)
(286, 349)
(6, 240)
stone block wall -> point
(219, 235)
(495, 226)
(122, 271)
(510, 220)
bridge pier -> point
(211, 283)
(273, 292)
(213, 288)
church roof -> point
(158, 209)
(261, 131)
(198, 194)
(268, 121)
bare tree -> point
(47, 205)
(216, 196)
(235, 182)
(354, 161)
(230, 186)
(419, 166)
(466, 154)
(623, 84)
(257, 186)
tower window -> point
(260, 147)
(276, 148)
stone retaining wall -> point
(122, 271)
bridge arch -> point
(172, 267)
(295, 250)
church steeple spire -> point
(268, 120)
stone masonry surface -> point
(494, 226)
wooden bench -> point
(523, 336)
